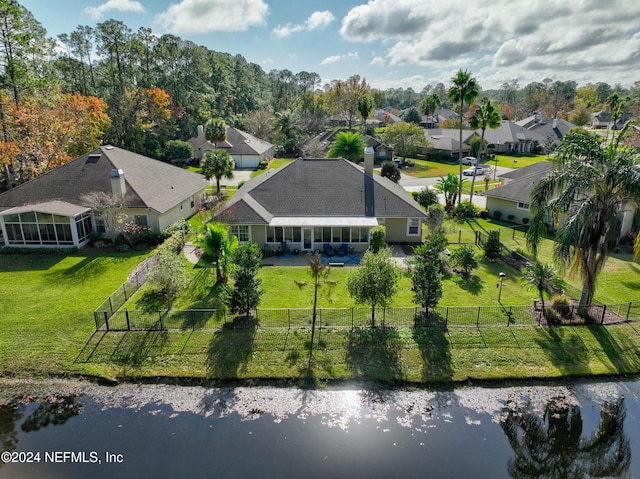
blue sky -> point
(391, 43)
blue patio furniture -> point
(284, 247)
(343, 249)
(328, 250)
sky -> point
(391, 43)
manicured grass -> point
(431, 169)
(274, 164)
(517, 161)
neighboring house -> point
(554, 129)
(382, 152)
(246, 150)
(391, 118)
(603, 119)
(430, 122)
(512, 197)
(313, 201)
(447, 141)
(49, 211)
(510, 137)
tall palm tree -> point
(485, 116)
(349, 145)
(430, 104)
(465, 89)
(587, 189)
(215, 131)
(217, 164)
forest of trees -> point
(107, 84)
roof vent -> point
(93, 158)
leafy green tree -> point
(365, 105)
(589, 186)
(217, 164)
(412, 115)
(464, 90)
(168, 276)
(492, 247)
(349, 145)
(375, 281)
(175, 150)
(343, 96)
(217, 246)
(426, 276)
(543, 277)
(246, 292)
(378, 236)
(406, 138)
(390, 170)
(431, 104)
(435, 217)
(426, 197)
(464, 258)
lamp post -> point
(499, 285)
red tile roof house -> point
(49, 211)
(313, 201)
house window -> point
(141, 220)
(193, 202)
(293, 234)
(523, 206)
(274, 234)
(359, 234)
(413, 227)
(241, 231)
(83, 225)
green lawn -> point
(431, 169)
(274, 164)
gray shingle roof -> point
(522, 182)
(150, 183)
(311, 187)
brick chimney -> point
(117, 182)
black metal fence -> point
(351, 318)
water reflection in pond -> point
(588, 430)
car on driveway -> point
(469, 160)
(474, 171)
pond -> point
(76, 430)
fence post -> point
(478, 318)
(289, 317)
(352, 326)
(604, 310)
(193, 321)
(110, 305)
(160, 316)
(106, 320)
(126, 313)
(446, 318)
(459, 236)
(628, 310)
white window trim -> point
(238, 235)
(521, 207)
(409, 221)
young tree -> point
(390, 170)
(426, 197)
(426, 276)
(590, 185)
(435, 217)
(378, 236)
(406, 138)
(449, 187)
(464, 90)
(365, 105)
(464, 258)
(109, 207)
(319, 272)
(492, 248)
(375, 281)
(168, 275)
(217, 164)
(214, 240)
(349, 145)
(245, 293)
(543, 277)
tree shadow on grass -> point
(473, 284)
(564, 348)
(137, 346)
(616, 348)
(151, 300)
(231, 348)
(430, 334)
(374, 353)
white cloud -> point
(315, 21)
(200, 16)
(527, 38)
(120, 5)
(336, 58)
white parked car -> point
(469, 160)
(473, 171)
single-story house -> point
(382, 152)
(51, 211)
(511, 138)
(447, 141)
(313, 201)
(554, 129)
(512, 197)
(246, 150)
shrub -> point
(492, 247)
(240, 183)
(525, 221)
(484, 214)
(465, 259)
(552, 316)
(466, 209)
(378, 236)
(497, 214)
(263, 164)
(426, 197)
(561, 305)
(510, 217)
